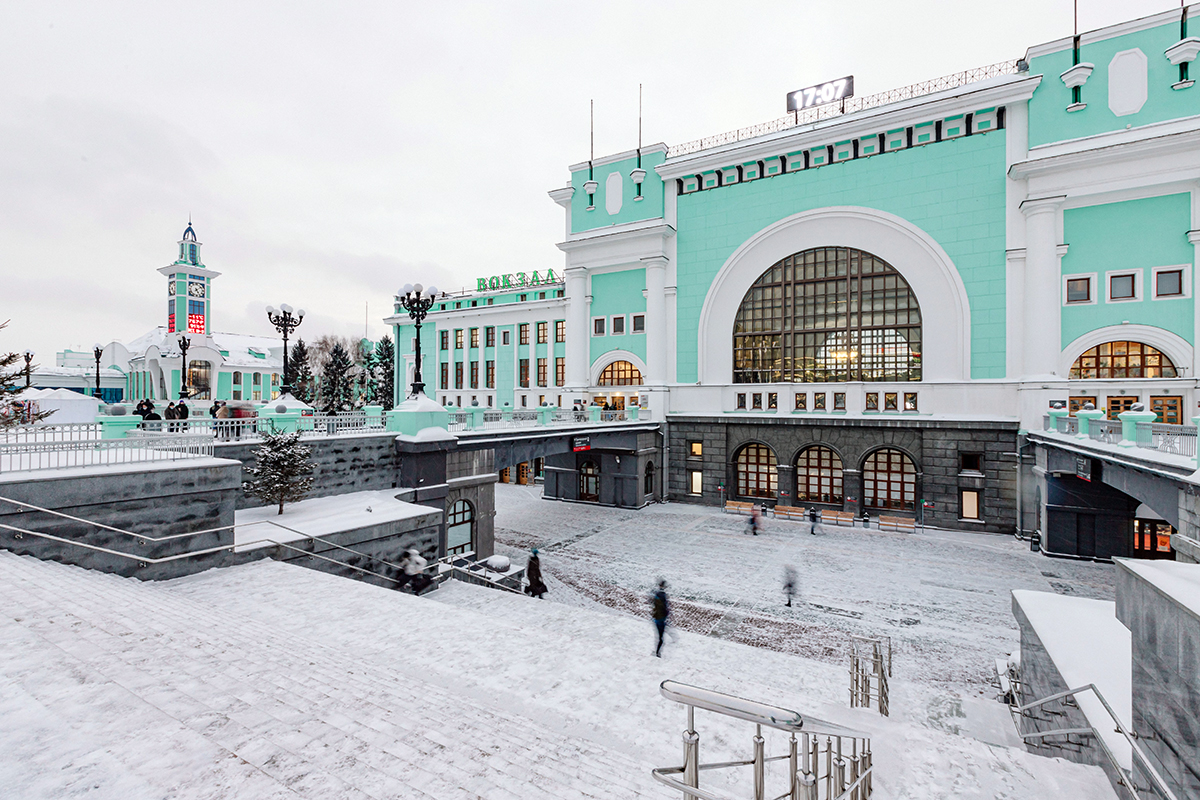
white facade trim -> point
(1176, 347)
(946, 313)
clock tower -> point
(189, 289)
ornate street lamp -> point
(285, 322)
(29, 354)
(97, 353)
(184, 344)
(417, 301)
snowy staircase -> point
(133, 689)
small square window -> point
(889, 401)
(741, 401)
(639, 323)
(1169, 283)
(1079, 290)
(695, 449)
(541, 295)
(839, 401)
(598, 327)
(818, 401)
(523, 297)
(910, 401)
(1120, 287)
(695, 481)
(504, 337)
(772, 400)
(618, 325)
(489, 301)
(801, 401)
(970, 462)
(758, 400)
(872, 401)
(970, 504)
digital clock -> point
(822, 93)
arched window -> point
(819, 476)
(756, 472)
(460, 527)
(828, 314)
(620, 373)
(648, 488)
(1123, 360)
(890, 480)
(589, 481)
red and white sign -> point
(196, 323)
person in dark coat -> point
(812, 516)
(660, 612)
(789, 583)
(151, 415)
(214, 408)
(533, 572)
(756, 520)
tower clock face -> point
(171, 289)
(196, 289)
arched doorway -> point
(460, 528)
(648, 483)
(819, 476)
(890, 481)
(616, 374)
(589, 481)
(757, 473)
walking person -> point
(414, 571)
(660, 612)
(533, 572)
(789, 583)
(812, 516)
(756, 519)
(182, 412)
(169, 414)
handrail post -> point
(759, 776)
(691, 754)
(793, 766)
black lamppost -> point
(29, 354)
(285, 322)
(417, 305)
(184, 344)
(97, 353)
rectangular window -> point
(489, 336)
(560, 330)
(491, 374)
(505, 338)
(872, 401)
(543, 332)
(1168, 409)
(474, 374)
(445, 375)
(695, 449)
(890, 400)
(257, 379)
(523, 297)
(839, 401)
(910, 401)
(541, 366)
(695, 481)
(237, 394)
(458, 375)
(970, 504)
(237, 379)
(560, 372)
(772, 400)
(741, 401)
(541, 399)
(474, 338)
(524, 375)
(801, 401)
(618, 325)
(639, 323)
(489, 396)
(970, 462)
(757, 400)
(256, 395)
(598, 326)
(1121, 287)
(1168, 283)
(1079, 290)
(524, 397)
(523, 333)
(818, 401)
(458, 339)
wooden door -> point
(1119, 404)
(1077, 403)
(1169, 409)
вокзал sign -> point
(516, 280)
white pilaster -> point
(578, 332)
(1042, 313)
(1194, 237)
(656, 321)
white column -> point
(656, 321)
(1043, 291)
(1193, 237)
(578, 332)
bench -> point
(791, 512)
(837, 518)
(732, 506)
(901, 524)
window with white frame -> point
(639, 323)
(1079, 289)
(618, 325)
(1124, 286)
(1171, 282)
(598, 326)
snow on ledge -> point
(1178, 580)
(319, 516)
(1087, 644)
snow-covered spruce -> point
(282, 470)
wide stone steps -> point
(226, 706)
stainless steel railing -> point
(1107, 431)
(870, 669)
(827, 762)
(1176, 439)
(35, 454)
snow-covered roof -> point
(241, 348)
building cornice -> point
(190, 269)
(1105, 151)
(562, 196)
(482, 311)
(631, 230)
(938, 105)
(1110, 32)
(613, 158)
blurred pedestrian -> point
(812, 516)
(660, 612)
(789, 583)
(414, 571)
(756, 519)
(533, 572)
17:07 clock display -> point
(822, 93)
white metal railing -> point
(831, 110)
(457, 421)
(1102, 430)
(35, 455)
(827, 762)
(1177, 439)
(1067, 425)
(68, 432)
(612, 416)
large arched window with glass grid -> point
(757, 473)
(890, 480)
(819, 476)
(460, 525)
(1123, 360)
(828, 314)
(620, 373)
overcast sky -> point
(328, 153)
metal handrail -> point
(751, 710)
(1160, 784)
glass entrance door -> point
(1152, 539)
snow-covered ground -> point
(942, 596)
(319, 516)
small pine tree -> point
(303, 384)
(282, 471)
(12, 412)
(385, 373)
(336, 388)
